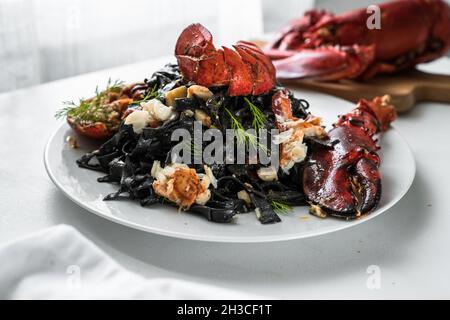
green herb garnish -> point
(152, 94)
(196, 150)
(91, 109)
(242, 135)
(280, 207)
(259, 120)
(115, 86)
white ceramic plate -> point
(80, 185)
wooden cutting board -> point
(406, 89)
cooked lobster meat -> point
(293, 130)
(344, 180)
(330, 47)
(181, 184)
(246, 69)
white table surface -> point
(410, 243)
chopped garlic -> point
(200, 92)
(317, 211)
(202, 117)
(188, 113)
(258, 213)
(267, 174)
(72, 142)
(243, 195)
(156, 169)
(211, 176)
(203, 197)
(180, 92)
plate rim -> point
(221, 239)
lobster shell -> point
(344, 181)
(246, 69)
(330, 47)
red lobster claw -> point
(344, 181)
(246, 70)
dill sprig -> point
(280, 207)
(196, 150)
(242, 135)
(110, 87)
(90, 109)
(259, 120)
(65, 110)
(79, 111)
(149, 96)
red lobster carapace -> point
(329, 47)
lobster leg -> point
(379, 68)
(293, 36)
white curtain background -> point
(45, 40)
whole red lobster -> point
(329, 47)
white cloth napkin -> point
(60, 263)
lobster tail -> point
(246, 70)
